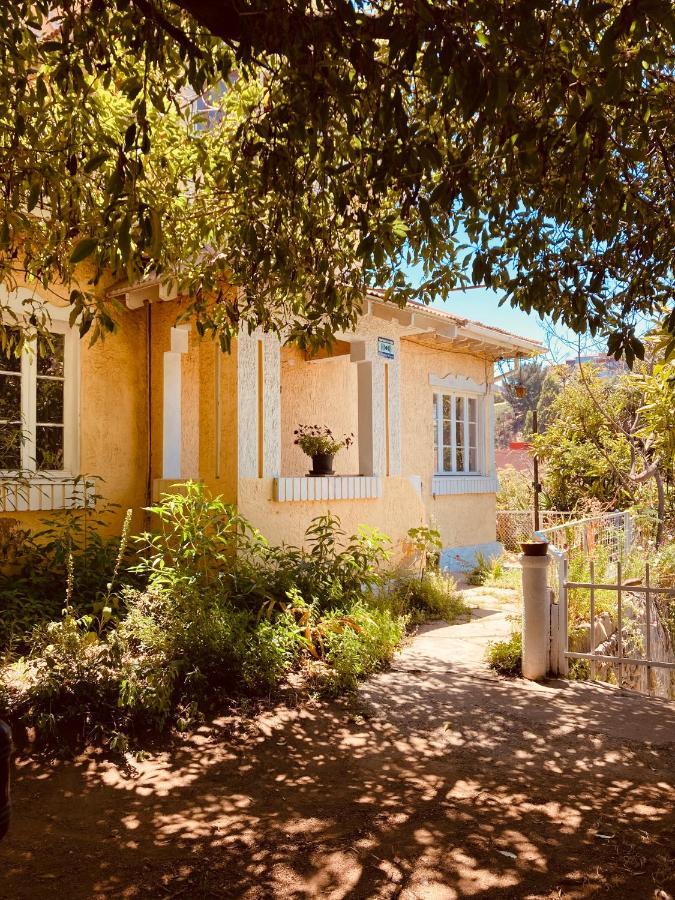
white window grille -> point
(457, 443)
(38, 405)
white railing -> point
(45, 493)
(332, 487)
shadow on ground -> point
(440, 781)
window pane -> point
(460, 425)
(10, 398)
(447, 432)
(49, 447)
(50, 358)
(447, 459)
(472, 409)
(447, 406)
(473, 465)
(10, 447)
(8, 361)
(473, 430)
(49, 401)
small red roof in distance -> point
(519, 445)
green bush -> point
(434, 596)
(359, 646)
(219, 613)
(34, 571)
(506, 657)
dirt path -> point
(441, 781)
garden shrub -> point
(506, 657)
(360, 646)
(433, 596)
(34, 570)
(215, 611)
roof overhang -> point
(452, 332)
(424, 323)
(135, 295)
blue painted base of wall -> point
(463, 559)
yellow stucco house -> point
(154, 404)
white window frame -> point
(437, 404)
(71, 371)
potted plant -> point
(318, 442)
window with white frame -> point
(38, 403)
(456, 434)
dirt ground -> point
(440, 780)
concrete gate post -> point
(536, 616)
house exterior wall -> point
(212, 388)
(398, 509)
(464, 520)
(112, 437)
(326, 393)
(114, 415)
(317, 393)
(208, 408)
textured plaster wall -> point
(220, 479)
(198, 407)
(397, 510)
(113, 413)
(113, 433)
(462, 519)
(317, 393)
(162, 317)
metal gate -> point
(649, 595)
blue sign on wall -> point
(385, 347)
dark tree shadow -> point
(447, 783)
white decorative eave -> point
(135, 295)
(461, 333)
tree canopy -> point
(303, 151)
(610, 440)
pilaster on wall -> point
(490, 431)
(172, 431)
(258, 405)
(379, 409)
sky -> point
(482, 305)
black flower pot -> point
(322, 464)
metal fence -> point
(613, 532)
(516, 525)
(632, 645)
(608, 536)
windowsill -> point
(466, 483)
(329, 487)
(43, 492)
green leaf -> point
(83, 249)
(96, 162)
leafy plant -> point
(515, 489)
(220, 614)
(431, 134)
(68, 553)
(434, 596)
(484, 570)
(505, 657)
(427, 545)
(313, 439)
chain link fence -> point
(611, 534)
(516, 525)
